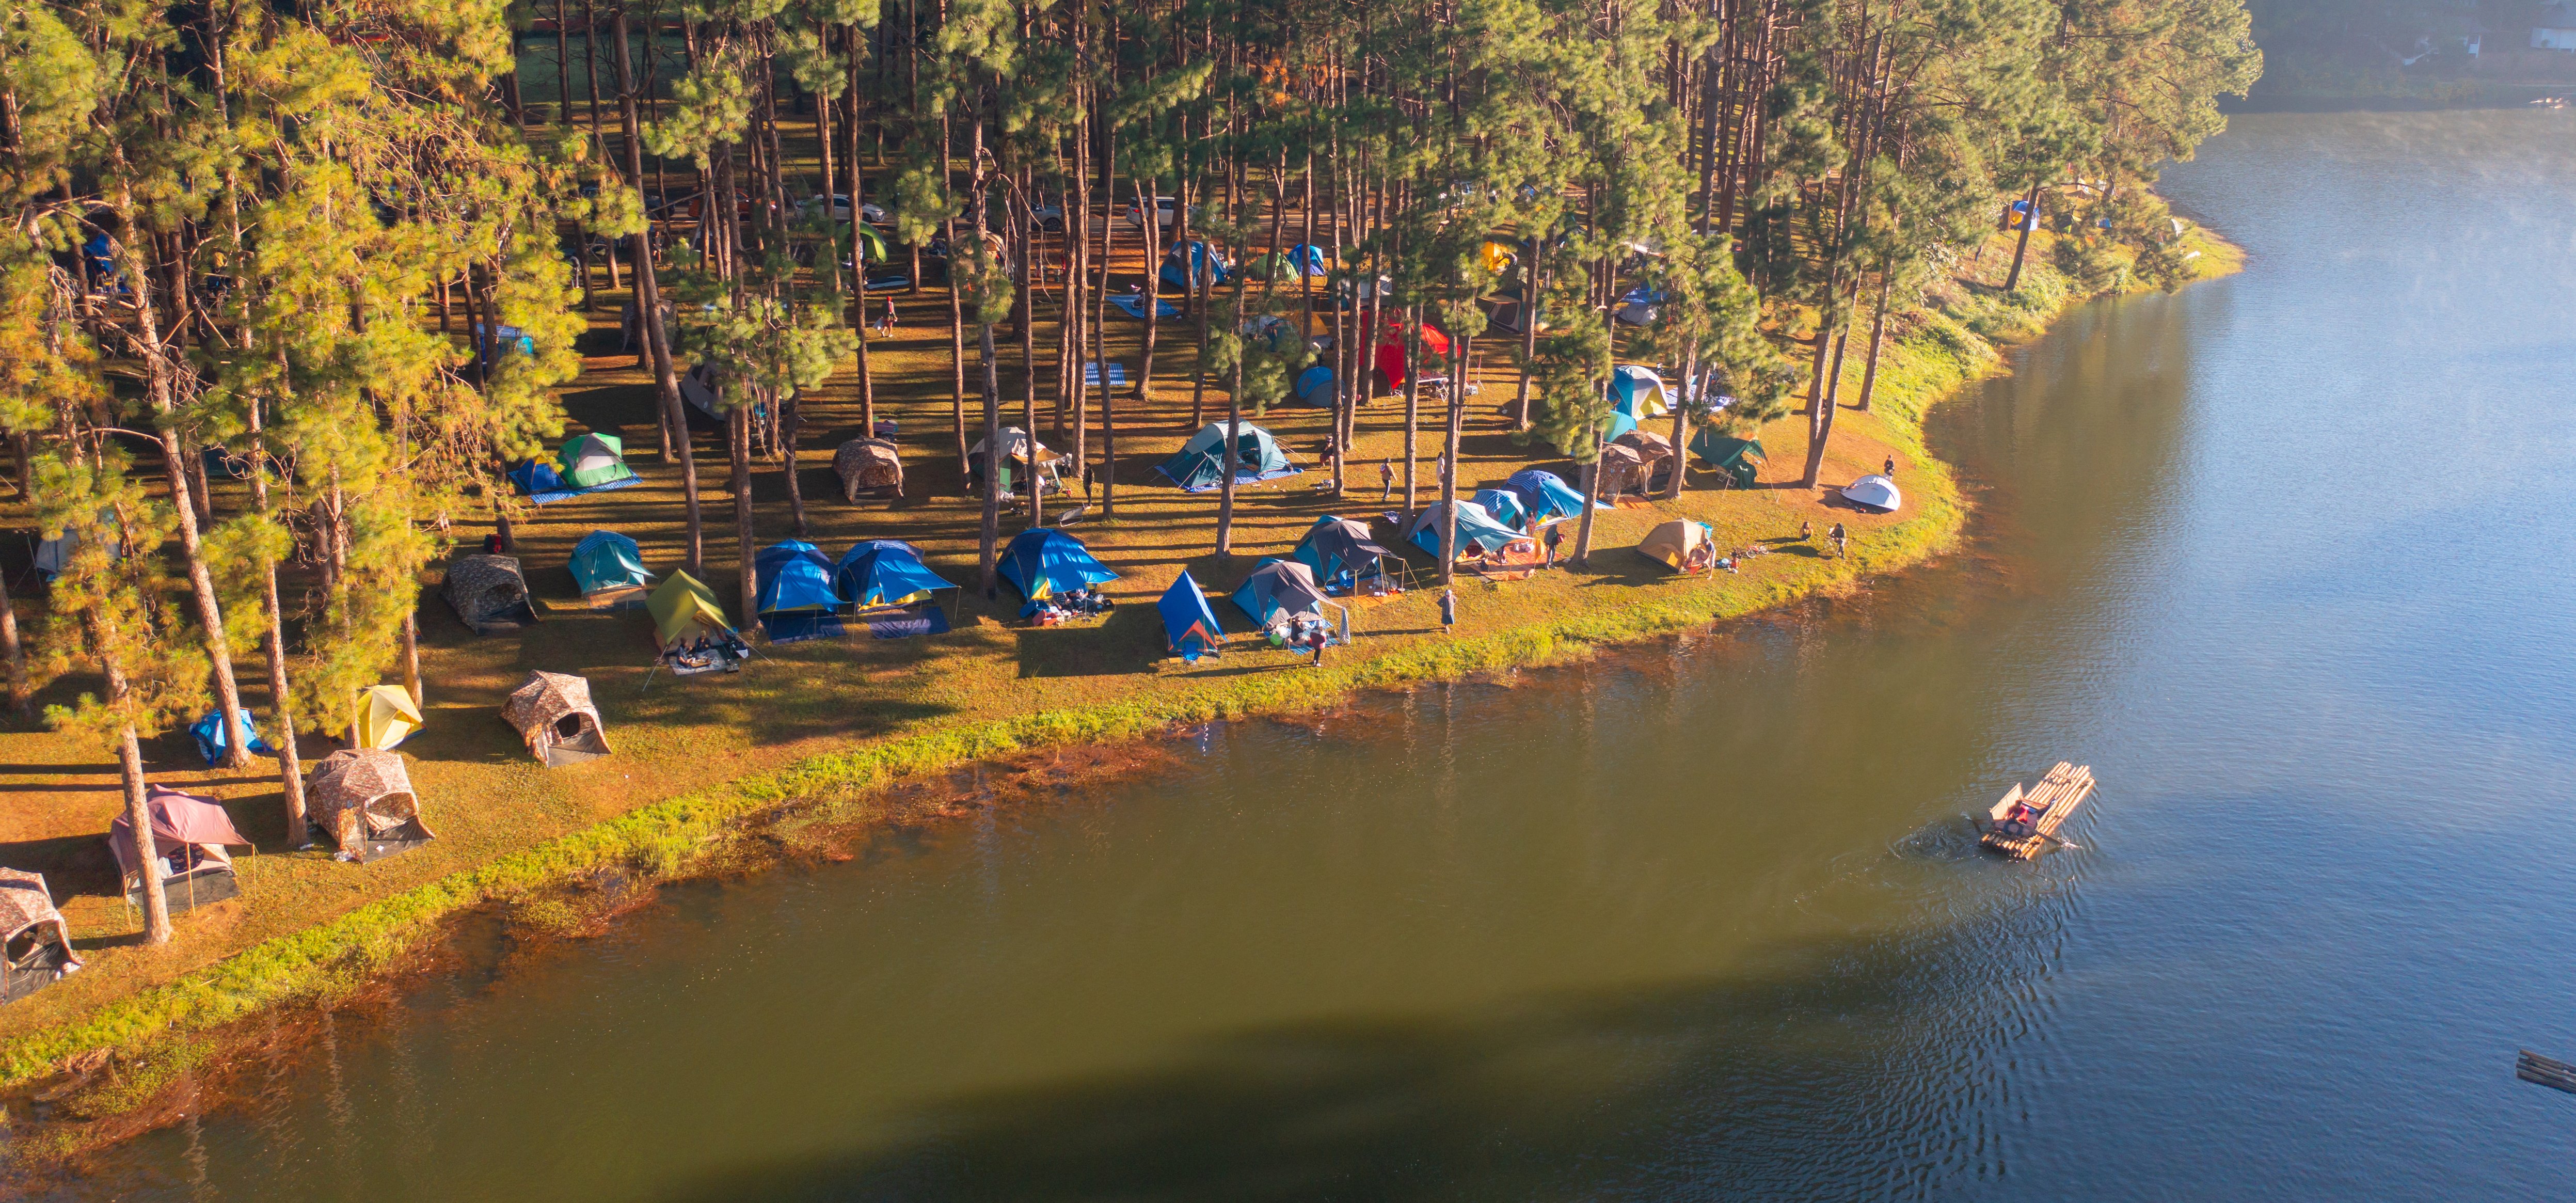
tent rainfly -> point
(1505, 507)
(609, 568)
(385, 716)
(1545, 496)
(1042, 562)
(868, 468)
(1200, 464)
(797, 601)
(691, 629)
(1339, 551)
(363, 797)
(1476, 529)
(189, 838)
(1677, 543)
(1874, 493)
(1729, 455)
(1189, 626)
(489, 593)
(554, 714)
(35, 943)
(1279, 587)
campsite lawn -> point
(487, 798)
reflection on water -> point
(2278, 556)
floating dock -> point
(2557, 1075)
(2044, 808)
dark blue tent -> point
(1315, 387)
(1042, 563)
(1277, 585)
(885, 572)
(796, 597)
(1339, 551)
(1545, 496)
(210, 737)
(1189, 627)
(539, 479)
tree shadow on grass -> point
(1127, 641)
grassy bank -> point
(816, 726)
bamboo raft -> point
(2557, 1075)
(2054, 800)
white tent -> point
(1874, 492)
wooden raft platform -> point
(2055, 798)
(2557, 1075)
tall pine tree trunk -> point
(738, 440)
(2021, 244)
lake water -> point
(2281, 557)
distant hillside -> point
(2439, 50)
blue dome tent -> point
(1505, 507)
(885, 572)
(1042, 563)
(1639, 392)
(609, 568)
(1189, 627)
(1545, 496)
(1315, 387)
(1193, 257)
(208, 732)
(1475, 528)
(796, 598)
(1200, 463)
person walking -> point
(1806, 530)
(1448, 611)
(1315, 640)
(1555, 536)
(1891, 467)
(1385, 481)
(1838, 536)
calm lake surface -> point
(2283, 557)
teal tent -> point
(1728, 454)
(1042, 563)
(1278, 585)
(1189, 627)
(1475, 527)
(609, 568)
(1201, 465)
(1505, 507)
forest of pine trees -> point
(292, 232)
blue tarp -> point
(1091, 374)
(1505, 506)
(906, 622)
(1315, 387)
(885, 572)
(209, 734)
(1134, 306)
(1042, 563)
(605, 560)
(1189, 626)
(541, 483)
(796, 598)
(1545, 496)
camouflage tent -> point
(553, 712)
(363, 797)
(489, 593)
(869, 467)
(35, 942)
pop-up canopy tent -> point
(1545, 496)
(35, 943)
(1200, 463)
(887, 581)
(1042, 563)
(1194, 256)
(213, 740)
(885, 572)
(489, 593)
(1638, 392)
(609, 568)
(691, 629)
(1189, 627)
(1391, 352)
(868, 467)
(385, 716)
(363, 797)
(1728, 454)
(1017, 447)
(189, 838)
(1675, 541)
(1476, 529)
(1504, 506)
(1315, 386)
(1279, 586)
(554, 714)
(797, 601)
(1874, 492)
(1339, 551)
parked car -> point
(869, 211)
(1164, 209)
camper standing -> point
(1555, 535)
(1448, 610)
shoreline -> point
(155, 1036)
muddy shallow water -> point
(2281, 557)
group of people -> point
(1305, 630)
(1065, 607)
(1840, 537)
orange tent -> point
(1390, 351)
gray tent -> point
(489, 593)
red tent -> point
(1390, 350)
(178, 820)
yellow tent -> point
(1498, 258)
(685, 611)
(385, 716)
(1674, 541)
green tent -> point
(593, 460)
(1728, 454)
